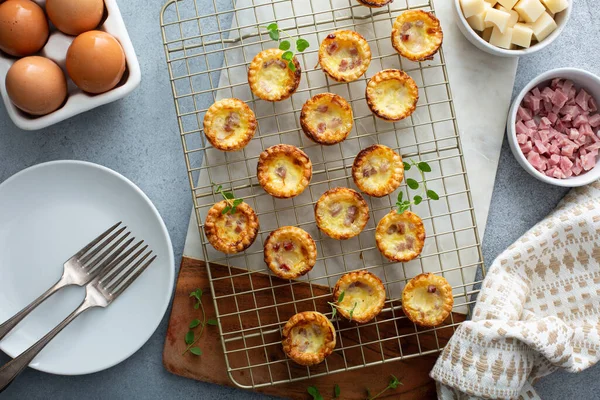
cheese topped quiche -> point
(344, 55)
(270, 78)
(229, 124)
(326, 118)
(341, 213)
(378, 170)
(231, 232)
(375, 3)
(308, 337)
(417, 35)
(392, 95)
(363, 296)
(400, 237)
(427, 300)
(284, 171)
(290, 252)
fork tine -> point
(133, 275)
(114, 259)
(86, 258)
(110, 286)
(113, 272)
(94, 242)
(93, 263)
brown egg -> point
(75, 16)
(23, 28)
(36, 85)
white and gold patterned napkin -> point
(538, 311)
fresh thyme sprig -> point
(335, 306)
(393, 384)
(314, 392)
(229, 197)
(190, 337)
(286, 45)
(423, 168)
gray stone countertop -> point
(138, 137)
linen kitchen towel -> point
(538, 310)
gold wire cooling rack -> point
(208, 46)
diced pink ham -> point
(531, 124)
(580, 120)
(592, 147)
(573, 134)
(593, 105)
(534, 159)
(536, 92)
(524, 114)
(536, 105)
(573, 111)
(588, 161)
(552, 117)
(554, 159)
(565, 164)
(522, 138)
(544, 123)
(559, 99)
(544, 136)
(547, 94)
(521, 128)
(567, 86)
(556, 83)
(527, 147)
(594, 120)
(583, 99)
(539, 147)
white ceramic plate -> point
(47, 213)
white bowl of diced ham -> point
(554, 125)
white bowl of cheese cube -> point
(512, 28)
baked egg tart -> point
(378, 170)
(229, 124)
(290, 252)
(270, 78)
(427, 300)
(375, 3)
(392, 95)
(284, 171)
(341, 213)
(363, 296)
(308, 337)
(326, 118)
(344, 55)
(231, 232)
(400, 237)
(417, 35)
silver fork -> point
(78, 270)
(115, 276)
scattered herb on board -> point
(286, 45)
(229, 197)
(335, 306)
(393, 384)
(423, 168)
(314, 392)
(190, 337)
(336, 391)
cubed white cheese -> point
(514, 16)
(491, 2)
(530, 10)
(522, 35)
(508, 4)
(502, 39)
(498, 18)
(544, 26)
(472, 7)
(477, 22)
(487, 34)
(556, 6)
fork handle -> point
(13, 368)
(8, 325)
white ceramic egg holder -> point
(78, 101)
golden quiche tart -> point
(229, 124)
(363, 296)
(427, 299)
(270, 78)
(231, 233)
(290, 252)
(344, 55)
(392, 95)
(341, 213)
(417, 35)
(400, 237)
(284, 171)
(327, 118)
(375, 3)
(378, 170)
(308, 337)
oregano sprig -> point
(336, 305)
(229, 197)
(286, 45)
(190, 337)
(314, 392)
(393, 384)
(423, 168)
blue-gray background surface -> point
(138, 137)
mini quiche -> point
(375, 3)
(231, 233)
(308, 337)
(341, 213)
(378, 170)
(363, 296)
(344, 55)
(327, 118)
(290, 252)
(284, 171)
(229, 124)
(427, 300)
(400, 237)
(392, 95)
(417, 35)
(270, 78)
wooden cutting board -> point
(210, 367)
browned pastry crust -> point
(417, 35)
(270, 78)
(344, 55)
(229, 124)
(308, 337)
(326, 118)
(378, 170)
(341, 213)
(400, 237)
(284, 171)
(290, 252)
(231, 233)
(364, 294)
(427, 300)
(392, 95)
(375, 3)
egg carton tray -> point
(77, 101)
(208, 47)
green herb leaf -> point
(226, 210)
(432, 195)
(292, 66)
(284, 45)
(352, 311)
(197, 294)
(196, 306)
(394, 382)
(336, 391)
(341, 296)
(423, 166)
(194, 323)
(418, 200)
(403, 206)
(368, 393)
(273, 26)
(333, 311)
(400, 196)
(228, 195)
(189, 337)
(274, 35)
(287, 56)
(196, 351)
(407, 166)
(237, 202)
(212, 322)
(413, 184)
(314, 392)
(302, 44)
